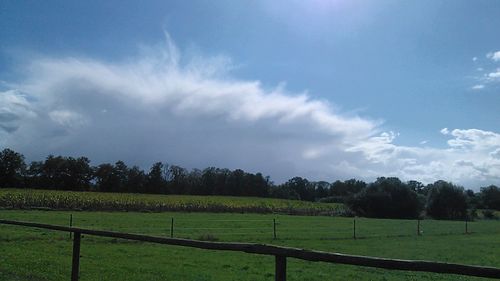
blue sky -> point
(343, 88)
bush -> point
(489, 214)
(472, 214)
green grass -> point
(33, 254)
(100, 201)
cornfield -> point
(98, 201)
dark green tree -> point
(491, 197)
(194, 181)
(105, 181)
(300, 186)
(208, 181)
(446, 201)
(386, 198)
(178, 180)
(236, 183)
(119, 176)
(136, 180)
(12, 168)
(321, 189)
(256, 185)
(157, 179)
(416, 186)
(34, 174)
(346, 188)
(78, 174)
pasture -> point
(33, 254)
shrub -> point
(489, 214)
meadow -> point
(34, 254)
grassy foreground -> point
(32, 254)
(100, 201)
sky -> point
(322, 89)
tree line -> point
(386, 197)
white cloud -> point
(470, 158)
(474, 139)
(474, 59)
(494, 75)
(67, 118)
(195, 114)
(424, 142)
(489, 76)
(495, 56)
(15, 109)
(495, 154)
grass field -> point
(100, 201)
(32, 254)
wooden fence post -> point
(280, 270)
(418, 227)
(274, 228)
(172, 228)
(70, 224)
(466, 227)
(76, 257)
(354, 229)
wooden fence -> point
(280, 253)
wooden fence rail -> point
(280, 253)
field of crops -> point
(98, 201)
(32, 254)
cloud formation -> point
(495, 56)
(160, 106)
(491, 76)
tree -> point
(208, 181)
(157, 179)
(416, 186)
(178, 181)
(321, 189)
(256, 185)
(386, 198)
(446, 201)
(34, 175)
(12, 168)
(194, 181)
(136, 180)
(78, 173)
(300, 186)
(236, 183)
(52, 173)
(346, 188)
(491, 197)
(221, 184)
(474, 200)
(285, 192)
(120, 177)
(105, 180)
